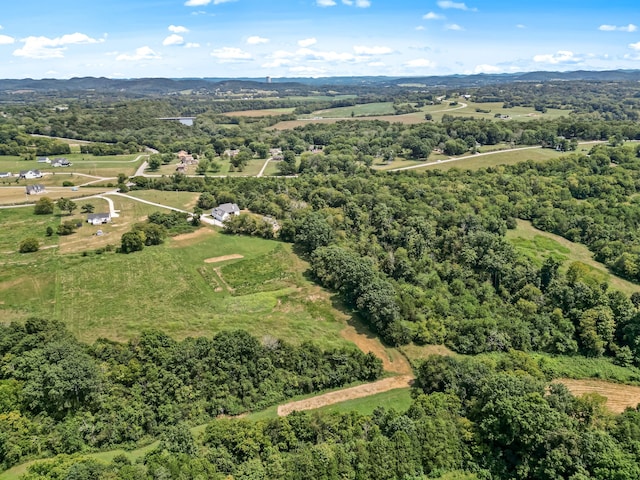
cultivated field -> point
(618, 397)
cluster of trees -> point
(60, 396)
(469, 419)
(154, 231)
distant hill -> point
(141, 87)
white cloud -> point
(420, 63)
(202, 3)
(635, 46)
(309, 54)
(613, 28)
(325, 3)
(44, 47)
(376, 64)
(307, 42)
(142, 53)
(561, 56)
(173, 39)
(446, 4)
(419, 28)
(178, 29)
(358, 3)
(277, 62)
(307, 70)
(362, 50)
(485, 68)
(192, 45)
(256, 40)
(433, 16)
(6, 40)
(454, 26)
(520, 25)
(230, 54)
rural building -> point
(35, 189)
(5, 174)
(181, 168)
(98, 218)
(224, 211)
(61, 162)
(43, 160)
(30, 174)
(231, 153)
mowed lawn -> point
(101, 166)
(168, 287)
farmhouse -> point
(30, 174)
(224, 211)
(44, 160)
(98, 218)
(61, 162)
(34, 189)
(5, 174)
(186, 158)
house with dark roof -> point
(98, 218)
(224, 211)
(61, 162)
(35, 189)
(44, 160)
(5, 174)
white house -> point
(224, 211)
(5, 174)
(30, 174)
(98, 218)
(44, 160)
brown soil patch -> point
(619, 396)
(391, 362)
(188, 238)
(10, 283)
(233, 256)
(339, 396)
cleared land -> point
(181, 200)
(618, 396)
(261, 113)
(360, 391)
(538, 245)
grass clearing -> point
(261, 113)
(359, 110)
(398, 399)
(538, 245)
(181, 200)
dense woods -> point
(421, 258)
(60, 396)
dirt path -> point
(393, 362)
(384, 385)
(233, 256)
(618, 396)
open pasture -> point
(538, 245)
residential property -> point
(186, 158)
(61, 162)
(43, 160)
(35, 189)
(224, 211)
(181, 168)
(98, 218)
(30, 174)
(231, 153)
(5, 174)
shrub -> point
(28, 245)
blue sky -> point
(292, 38)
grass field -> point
(103, 166)
(360, 110)
(17, 196)
(500, 158)
(261, 113)
(182, 200)
(173, 289)
(437, 112)
(538, 245)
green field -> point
(360, 110)
(104, 166)
(182, 200)
(169, 287)
(538, 245)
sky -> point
(313, 38)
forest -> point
(423, 259)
